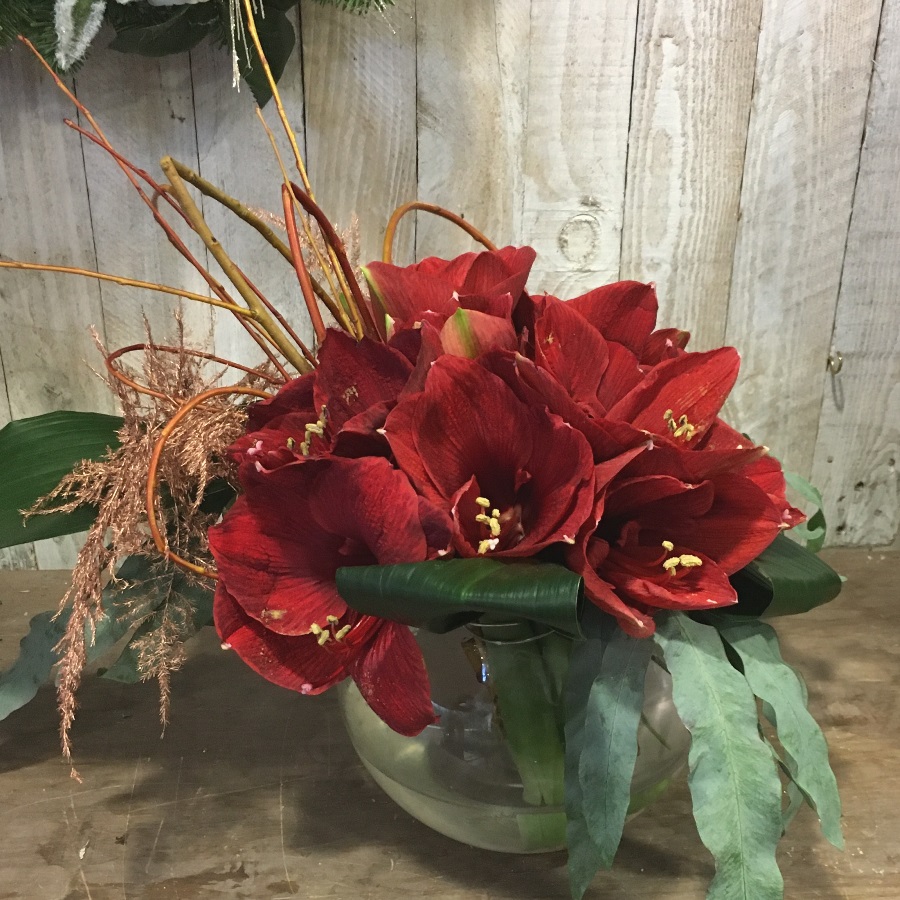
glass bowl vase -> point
(489, 773)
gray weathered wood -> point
(576, 141)
(472, 64)
(858, 446)
(814, 65)
(360, 77)
(693, 81)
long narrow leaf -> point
(585, 856)
(776, 683)
(610, 739)
(444, 594)
(37, 453)
(734, 783)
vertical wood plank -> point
(235, 154)
(693, 81)
(814, 64)
(576, 141)
(472, 66)
(145, 107)
(46, 346)
(360, 79)
(858, 446)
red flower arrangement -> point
(458, 450)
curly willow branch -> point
(152, 469)
(387, 254)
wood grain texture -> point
(472, 62)
(858, 446)
(693, 81)
(576, 141)
(127, 239)
(45, 216)
(814, 65)
(360, 78)
(235, 154)
(265, 798)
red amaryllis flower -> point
(671, 527)
(489, 282)
(338, 409)
(515, 477)
(277, 551)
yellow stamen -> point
(495, 513)
(680, 429)
(333, 620)
(671, 564)
(494, 525)
(482, 518)
(483, 502)
(324, 636)
(484, 546)
(290, 443)
(668, 545)
(315, 629)
(342, 633)
(689, 561)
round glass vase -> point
(489, 773)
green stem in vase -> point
(527, 670)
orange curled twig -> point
(119, 375)
(170, 426)
(387, 254)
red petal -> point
(297, 663)
(666, 343)
(469, 333)
(407, 293)
(390, 674)
(694, 385)
(295, 396)
(623, 312)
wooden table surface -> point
(254, 792)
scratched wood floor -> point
(254, 792)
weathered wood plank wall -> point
(744, 156)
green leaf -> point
(776, 683)
(37, 454)
(813, 531)
(122, 608)
(159, 31)
(733, 779)
(785, 579)
(160, 592)
(276, 35)
(585, 857)
(605, 693)
(443, 594)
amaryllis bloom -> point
(515, 478)
(336, 410)
(668, 531)
(490, 282)
(277, 551)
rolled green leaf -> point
(443, 594)
(733, 779)
(785, 579)
(776, 683)
(37, 454)
(814, 529)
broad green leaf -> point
(159, 31)
(609, 754)
(776, 683)
(122, 608)
(813, 530)
(733, 779)
(443, 594)
(585, 856)
(77, 23)
(783, 580)
(164, 593)
(37, 453)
